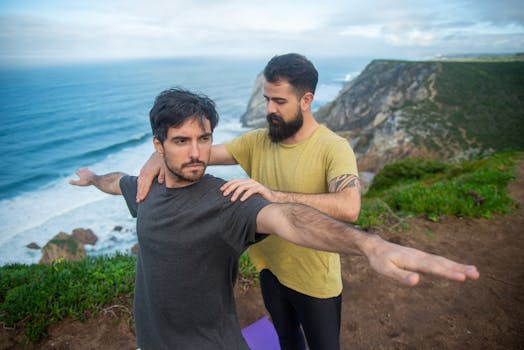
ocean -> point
(56, 119)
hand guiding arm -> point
(342, 202)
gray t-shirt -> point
(190, 239)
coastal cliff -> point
(442, 110)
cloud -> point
(59, 29)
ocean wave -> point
(24, 184)
(134, 141)
(40, 214)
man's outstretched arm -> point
(108, 183)
(309, 227)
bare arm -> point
(308, 227)
(342, 202)
(155, 167)
(108, 183)
(221, 156)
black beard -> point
(282, 130)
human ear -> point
(158, 146)
(306, 100)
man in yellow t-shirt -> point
(296, 160)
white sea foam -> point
(38, 216)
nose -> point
(271, 107)
(194, 152)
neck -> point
(175, 181)
(308, 128)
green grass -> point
(404, 171)
(34, 296)
(248, 274)
(416, 187)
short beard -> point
(181, 177)
(282, 130)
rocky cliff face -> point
(255, 115)
(369, 110)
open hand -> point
(245, 188)
(85, 177)
(403, 263)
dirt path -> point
(379, 313)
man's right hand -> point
(85, 177)
(154, 167)
(108, 183)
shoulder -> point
(328, 141)
(253, 135)
(211, 181)
(250, 141)
(129, 182)
(260, 132)
(325, 133)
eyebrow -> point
(188, 137)
(277, 99)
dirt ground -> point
(379, 313)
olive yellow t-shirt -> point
(304, 167)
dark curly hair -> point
(174, 106)
(299, 72)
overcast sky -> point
(67, 30)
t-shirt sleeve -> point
(240, 224)
(341, 160)
(128, 186)
(241, 148)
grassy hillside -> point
(417, 187)
(479, 104)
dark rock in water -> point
(62, 247)
(255, 114)
(85, 236)
(33, 245)
(118, 228)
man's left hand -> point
(245, 188)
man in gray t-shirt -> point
(190, 239)
(190, 236)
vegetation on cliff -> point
(477, 104)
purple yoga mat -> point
(261, 335)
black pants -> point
(289, 310)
